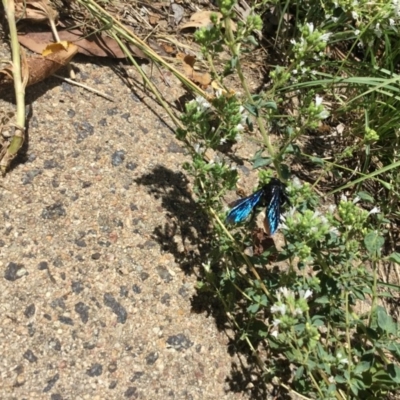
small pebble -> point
(131, 392)
(95, 370)
(179, 342)
(28, 355)
(83, 310)
(30, 311)
(51, 382)
(118, 158)
(116, 307)
(14, 271)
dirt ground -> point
(98, 253)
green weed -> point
(313, 311)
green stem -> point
(374, 294)
(348, 340)
(235, 50)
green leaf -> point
(394, 348)
(299, 373)
(251, 39)
(395, 257)
(251, 108)
(373, 242)
(384, 378)
(318, 161)
(259, 328)
(262, 162)
(362, 367)
(340, 379)
(322, 300)
(385, 321)
(253, 308)
(365, 197)
(285, 172)
(394, 372)
(269, 105)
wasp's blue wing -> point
(244, 207)
(275, 196)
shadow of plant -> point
(186, 219)
(191, 224)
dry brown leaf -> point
(261, 242)
(153, 19)
(35, 10)
(167, 48)
(188, 61)
(202, 19)
(94, 45)
(54, 47)
(41, 67)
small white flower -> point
(294, 72)
(357, 32)
(222, 140)
(331, 379)
(297, 311)
(323, 114)
(325, 37)
(334, 230)
(354, 15)
(275, 333)
(342, 359)
(276, 322)
(318, 100)
(207, 266)
(396, 7)
(202, 103)
(198, 149)
(375, 210)
(343, 198)
(296, 183)
(285, 291)
(279, 309)
(240, 127)
(332, 208)
(310, 27)
(307, 294)
(316, 214)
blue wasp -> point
(272, 195)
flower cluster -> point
(288, 308)
(311, 41)
(214, 122)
